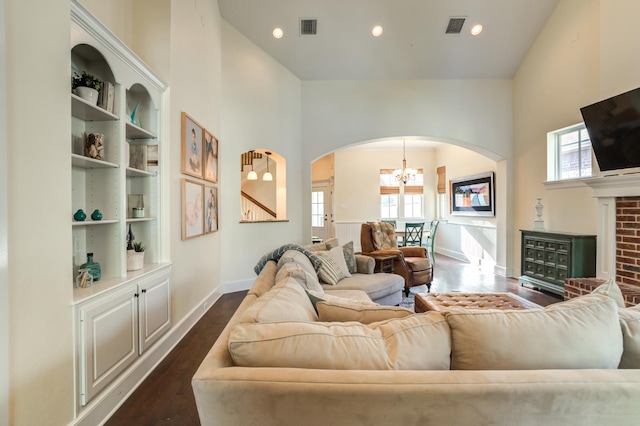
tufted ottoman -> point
(445, 301)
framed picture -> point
(473, 195)
(192, 209)
(210, 209)
(192, 136)
(210, 157)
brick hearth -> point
(627, 255)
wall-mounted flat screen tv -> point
(614, 129)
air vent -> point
(455, 25)
(308, 27)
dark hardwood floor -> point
(165, 397)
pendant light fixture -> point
(405, 174)
(252, 174)
(267, 176)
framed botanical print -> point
(192, 137)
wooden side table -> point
(384, 262)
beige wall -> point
(583, 55)
(40, 290)
(357, 181)
(195, 88)
(322, 168)
(261, 102)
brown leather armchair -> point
(410, 262)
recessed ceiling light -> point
(376, 31)
(277, 32)
(476, 29)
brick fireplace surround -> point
(627, 254)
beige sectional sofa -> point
(291, 356)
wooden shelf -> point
(90, 163)
(88, 112)
(137, 132)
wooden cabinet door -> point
(155, 308)
(108, 339)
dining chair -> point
(413, 234)
(431, 239)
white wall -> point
(261, 109)
(39, 174)
(475, 114)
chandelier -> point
(405, 174)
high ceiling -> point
(413, 45)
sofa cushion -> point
(286, 301)
(611, 289)
(630, 324)
(323, 246)
(307, 277)
(347, 294)
(353, 310)
(580, 333)
(302, 277)
(377, 286)
(334, 267)
(417, 342)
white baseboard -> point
(234, 286)
(453, 254)
(503, 271)
(98, 411)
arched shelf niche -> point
(263, 199)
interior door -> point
(322, 210)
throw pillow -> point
(353, 310)
(334, 267)
(611, 289)
(350, 257)
(630, 324)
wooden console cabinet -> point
(548, 257)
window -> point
(317, 209)
(400, 201)
(569, 153)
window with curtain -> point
(399, 201)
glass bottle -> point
(84, 278)
(130, 239)
(93, 267)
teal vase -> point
(93, 267)
(96, 215)
(80, 215)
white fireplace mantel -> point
(606, 189)
(627, 185)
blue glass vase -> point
(93, 267)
